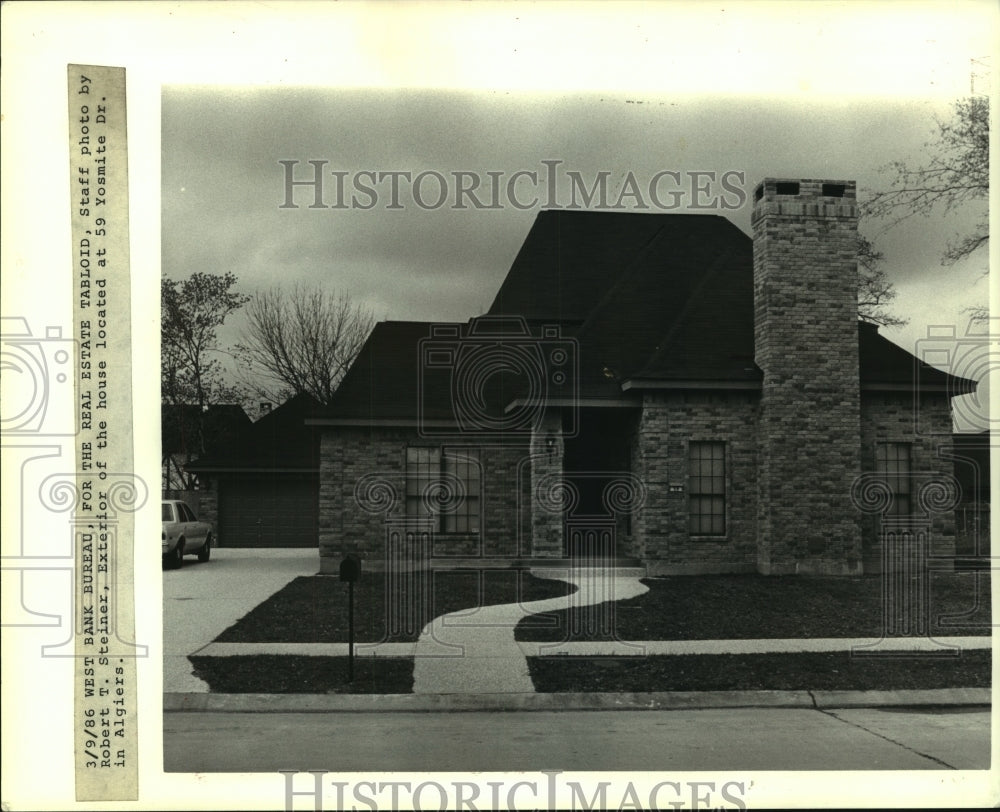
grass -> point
(723, 607)
(288, 674)
(313, 609)
(735, 672)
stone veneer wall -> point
(806, 343)
(888, 417)
(350, 455)
(668, 423)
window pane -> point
(707, 488)
(462, 515)
(892, 461)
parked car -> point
(183, 534)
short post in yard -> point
(350, 571)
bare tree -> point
(956, 173)
(303, 340)
(875, 291)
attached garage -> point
(269, 511)
(266, 481)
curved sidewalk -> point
(474, 652)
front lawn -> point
(293, 674)
(313, 609)
(747, 672)
(723, 607)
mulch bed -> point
(746, 672)
(293, 674)
(313, 609)
(721, 607)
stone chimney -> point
(806, 343)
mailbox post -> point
(350, 571)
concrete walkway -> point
(475, 652)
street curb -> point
(912, 697)
(667, 700)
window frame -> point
(718, 490)
(887, 467)
(462, 462)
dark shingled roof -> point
(570, 259)
(885, 362)
(280, 440)
(648, 297)
(180, 424)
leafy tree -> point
(191, 373)
(303, 340)
(956, 173)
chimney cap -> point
(802, 189)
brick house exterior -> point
(660, 389)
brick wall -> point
(806, 337)
(668, 423)
(888, 417)
(372, 463)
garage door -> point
(268, 512)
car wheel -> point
(206, 549)
(177, 556)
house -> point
(187, 432)
(658, 389)
(261, 488)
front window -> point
(444, 483)
(707, 488)
(892, 461)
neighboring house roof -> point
(278, 441)
(180, 425)
(650, 300)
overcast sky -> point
(794, 90)
(223, 186)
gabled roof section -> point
(382, 383)
(181, 424)
(278, 441)
(886, 363)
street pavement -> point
(721, 739)
(201, 600)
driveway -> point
(200, 600)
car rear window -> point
(168, 513)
